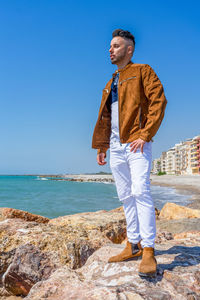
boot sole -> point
(127, 259)
(132, 258)
(148, 274)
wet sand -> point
(184, 184)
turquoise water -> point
(52, 198)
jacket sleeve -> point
(102, 150)
(107, 118)
(154, 93)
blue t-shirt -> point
(114, 89)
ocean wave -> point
(41, 178)
(104, 182)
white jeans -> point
(131, 172)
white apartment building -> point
(177, 154)
(170, 161)
(163, 162)
(156, 166)
(183, 158)
(194, 155)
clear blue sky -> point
(54, 63)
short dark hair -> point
(125, 34)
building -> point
(178, 156)
(188, 157)
(156, 166)
(182, 159)
(194, 155)
(198, 150)
(170, 161)
(163, 162)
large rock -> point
(12, 213)
(111, 223)
(178, 276)
(39, 260)
(11, 298)
(66, 241)
(178, 226)
(29, 265)
(67, 284)
(174, 211)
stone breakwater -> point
(83, 177)
(66, 257)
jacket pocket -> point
(132, 77)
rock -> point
(58, 259)
(10, 213)
(195, 235)
(71, 240)
(6, 258)
(111, 224)
(68, 284)
(163, 236)
(178, 276)
(11, 298)
(29, 266)
(174, 211)
(178, 226)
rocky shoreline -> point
(82, 177)
(66, 257)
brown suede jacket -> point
(141, 103)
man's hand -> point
(139, 143)
(101, 159)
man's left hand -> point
(139, 143)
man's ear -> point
(130, 49)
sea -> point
(53, 198)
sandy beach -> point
(189, 182)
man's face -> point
(118, 50)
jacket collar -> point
(123, 69)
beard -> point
(119, 57)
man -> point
(131, 111)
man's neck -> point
(123, 64)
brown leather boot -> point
(131, 251)
(148, 265)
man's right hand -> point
(101, 159)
